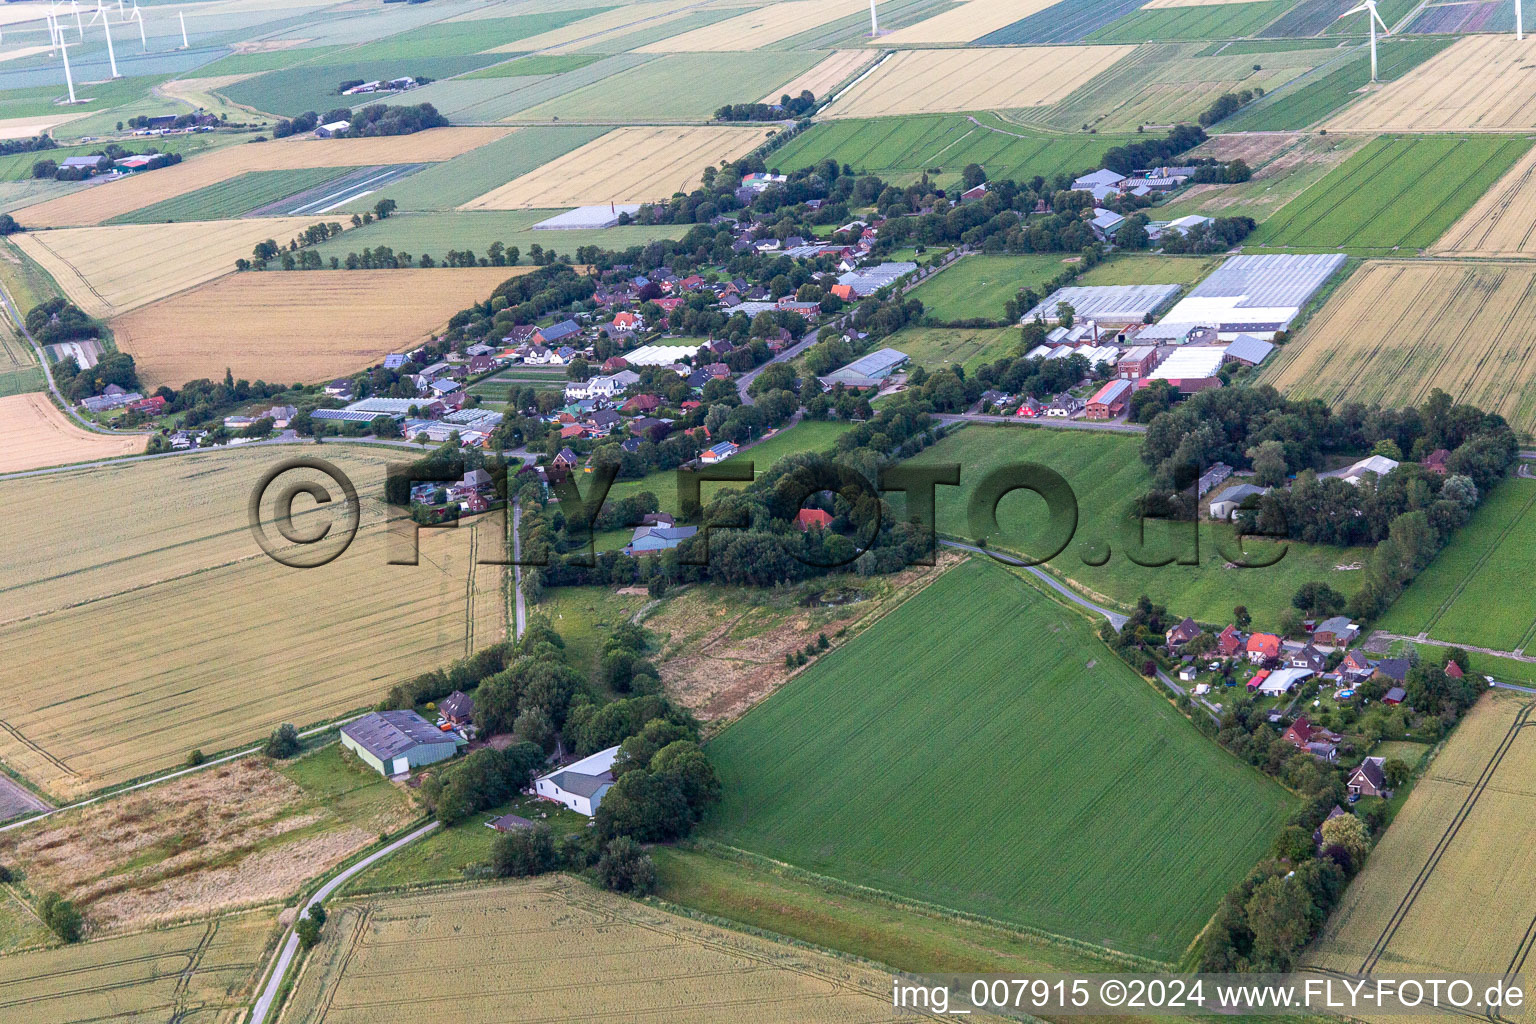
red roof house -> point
(813, 518)
(1229, 642)
(1262, 646)
(1453, 670)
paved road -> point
(977, 417)
(1422, 639)
(745, 380)
(517, 569)
(291, 946)
(1115, 618)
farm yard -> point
(1397, 192)
(625, 165)
(1501, 222)
(201, 970)
(630, 947)
(935, 81)
(34, 434)
(892, 741)
(1395, 330)
(115, 268)
(167, 569)
(1447, 601)
(1476, 84)
(1444, 888)
(262, 325)
(1107, 475)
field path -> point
(1115, 618)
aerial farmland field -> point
(1500, 223)
(674, 87)
(1399, 191)
(1473, 85)
(889, 737)
(1202, 21)
(963, 22)
(1107, 474)
(1395, 330)
(233, 197)
(34, 433)
(541, 924)
(1066, 21)
(435, 233)
(1444, 889)
(758, 28)
(177, 571)
(260, 325)
(978, 286)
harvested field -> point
(758, 28)
(236, 835)
(1448, 887)
(1396, 330)
(263, 325)
(111, 269)
(963, 22)
(609, 22)
(203, 971)
(646, 964)
(1502, 222)
(1481, 83)
(102, 202)
(825, 76)
(934, 81)
(223, 643)
(628, 165)
(34, 434)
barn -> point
(394, 742)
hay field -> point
(1396, 330)
(34, 434)
(755, 29)
(487, 954)
(1448, 887)
(263, 326)
(934, 81)
(110, 199)
(628, 165)
(114, 268)
(963, 22)
(1481, 83)
(199, 971)
(825, 76)
(1502, 222)
(170, 630)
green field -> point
(1454, 599)
(538, 64)
(1149, 269)
(1106, 473)
(436, 233)
(1397, 191)
(906, 146)
(451, 183)
(938, 348)
(1008, 766)
(1320, 93)
(980, 286)
(1218, 21)
(674, 87)
(234, 196)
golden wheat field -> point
(975, 78)
(265, 326)
(1502, 222)
(102, 202)
(627, 165)
(612, 22)
(139, 636)
(754, 29)
(962, 22)
(1397, 329)
(1479, 83)
(827, 75)
(34, 434)
(201, 971)
(1448, 887)
(112, 269)
(488, 954)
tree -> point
(1348, 832)
(1396, 771)
(283, 743)
(1065, 314)
(383, 208)
(308, 931)
(1241, 617)
(1279, 914)
(62, 917)
(626, 867)
(1269, 466)
(523, 852)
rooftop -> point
(388, 734)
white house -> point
(1281, 680)
(580, 786)
(602, 387)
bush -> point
(283, 743)
(626, 867)
(195, 758)
(62, 917)
(524, 852)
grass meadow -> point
(938, 348)
(1206, 21)
(675, 87)
(1148, 269)
(1008, 766)
(981, 285)
(1399, 191)
(1106, 473)
(437, 232)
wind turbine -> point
(134, 15)
(1372, 20)
(874, 24)
(106, 26)
(58, 33)
(183, 18)
(1519, 27)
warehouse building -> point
(1118, 304)
(866, 371)
(588, 217)
(394, 742)
(1191, 369)
(1255, 295)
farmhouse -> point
(394, 742)
(1111, 304)
(1368, 779)
(1182, 633)
(650, 539)
(1262, 646)
(813, 519)
(458, 708)
(1337, 631)
(333, 129)
(580, 786)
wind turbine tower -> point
(1372, 19)
(106, 26)
(64, 52)
(183, 18)
(1519, 26)
(135, 15)
(874, 23)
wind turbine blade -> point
(1354, 10)
(1384, 30)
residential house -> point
(1261, 647)
(1030, 409)
(650, 539)
(1181, 634)
(1395, 669)
(561, 331)
(1436, 461)
(1226, 504)
(1356, 666)
(1064, 406)
(1453, 670)
(1336, 632)
(1368, 779)
(813, 519)
(1309, 658)
(1395, 696)
(1229, 642)
(457, 709)
(565, 457)
(719, 453)
(641, 404)
(394, 742)
(580, 786)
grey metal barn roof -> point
(1115, 302)
(1269, 280)
(876, 362)
(581, 785)
(388, 734)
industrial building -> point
(394, 742)
(868, 280)
(1256, 295)
(1112, 304)
(588, 217)
(866, 371)
(1191, 369)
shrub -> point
(626, 867)
(283, 743)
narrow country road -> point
(1115, 618)
(517, 569)
(291, 946)
(745, 380)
